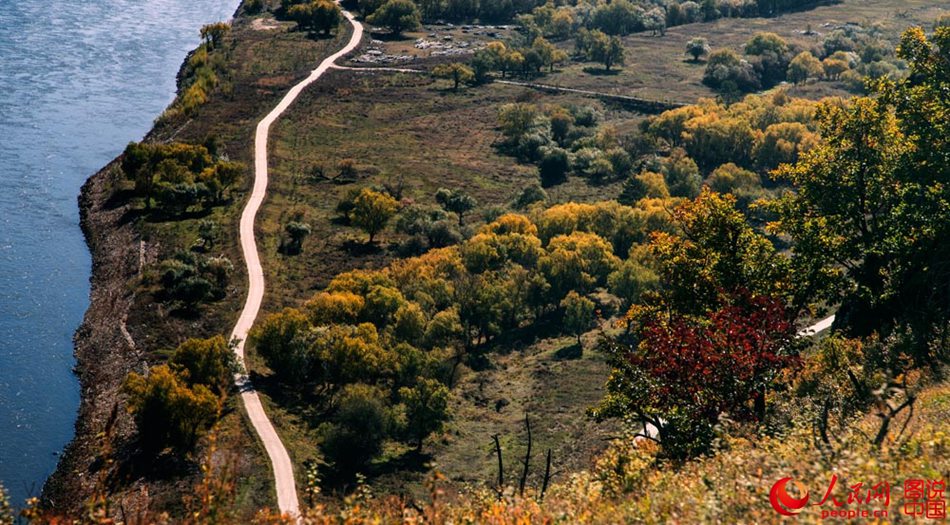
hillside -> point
(463, 270)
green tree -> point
(455, 201)
(606, 50)
(297, 232)
(208, 233)
(457, 72)
(426, 406)
(697, 47)
(372, 211)
(578, 313)
(397, 16)
(554, 166)
(865, 214)
(357, 429)
(727, 72)
(531, 194)
(283, 340)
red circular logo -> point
(783, 502)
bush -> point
(728, 72)
(167, 412)
(397, 16)
(554, 166)
(357, 429)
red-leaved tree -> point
(686, 372)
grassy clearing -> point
(657, 67)
(398, 127)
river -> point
(79, 79)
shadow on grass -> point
(357, 248)
(119, 198)
(569, 353)
(601, 72)
(387, 36)
(300, 401)
(410, 461)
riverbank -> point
(126, 328)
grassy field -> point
(657, 67)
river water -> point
(78, 80)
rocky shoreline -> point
(103, 352)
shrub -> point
(727, 72)
(357, 429)
(397, 16)
(167, 412)
(426, 409)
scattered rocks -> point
(444, 46)
(375, 55)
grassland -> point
(657, 67)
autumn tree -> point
(717, 255)
(685, 374)
(397, 16)
(549, 53)
(212, 34)
(457, 72)
(803, 67)
(208, 362)
(426, 409)
(608, 50)
(317, 15)
(372, 211)
(577, 262)
(167, 412)
(578, 314)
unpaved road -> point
(280, 460)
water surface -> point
(78, 80)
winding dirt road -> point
(280, 460)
